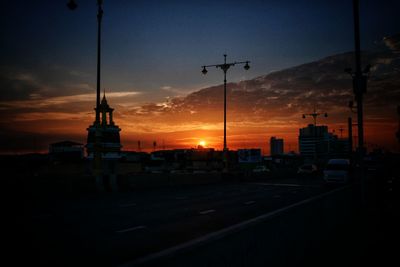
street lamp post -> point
(314, 114)
(72, 6)
(97, 151)
(224, 67)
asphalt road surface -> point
(112, 228)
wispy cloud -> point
(38, 102)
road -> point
(110, 229)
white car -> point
(337, 171)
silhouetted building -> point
(107, 134)
(276, 146)
(318, 145)
(252, 155)
(66, 150)
(338, 147)
(314, 142)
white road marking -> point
(295, 185)
(218, 235)
(249, 202)
(127, 205)
(131, 229)
(206, 212)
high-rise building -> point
(318, 145)
(314, 142)
(276, 146)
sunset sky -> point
(152, 53)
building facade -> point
(314, 143)
(317, 145)
(66, 150)
(276, 146)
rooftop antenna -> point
(154, 145)
(341, 131)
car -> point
(261, 168)
(307, 169)
(337, 171)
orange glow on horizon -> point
(202, 143)
(178, 130)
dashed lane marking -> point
(131, 229)
(206, 212)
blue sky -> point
(148, 45)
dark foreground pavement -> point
(110, 229)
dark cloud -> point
(26, 84)
(286, 93)
(17, 86)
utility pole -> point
(350, 133)
(398, 131)
(359, 81)
(341, 131)
(359, 88)
(224, 67)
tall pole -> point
(97, 149)
(99, 17)
(350, 136)
(225, 66)
(359, 83)
(350, 133)
(398, 131)
(225, 70)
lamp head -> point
(247, 67)
(72, 5)
(204, 71)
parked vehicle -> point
(337, 171)
(307, 169)
(261, 168)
